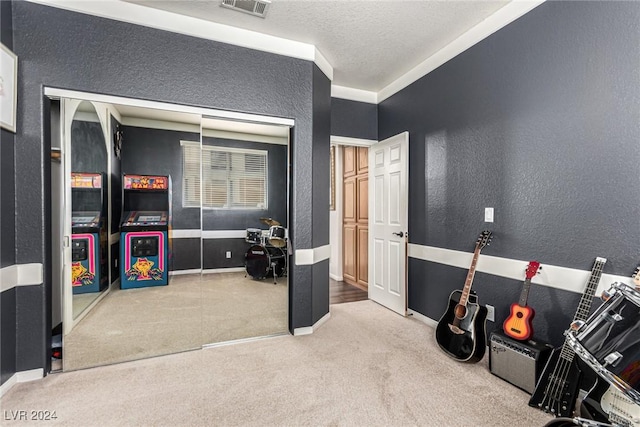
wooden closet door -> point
(356, 216)
(363, 229)
(349, 234)
(363, 257)
(350, 267)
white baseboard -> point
(224, 270)
(424, 319)
(207, 271)
(182, 272)
(336, 277)
(21, 377)
(307, 330)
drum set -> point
(267, 255)
(609, 343)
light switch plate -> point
(488, 214)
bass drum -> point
(263, 261)
(609, 341)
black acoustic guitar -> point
(461, 330)
(557, 388)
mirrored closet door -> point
(177, 230)
(245, 246)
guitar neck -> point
(587, 297)
(464, 298)
(524, 295)
(584, 306)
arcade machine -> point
(144, 231)
(88, 233)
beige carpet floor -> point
(193, 310)
(366, 366)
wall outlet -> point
(228, 254)
(488, 214)
(491, 313)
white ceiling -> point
(369, 43)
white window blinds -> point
(232, 178)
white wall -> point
(335, 222)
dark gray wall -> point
(354, 119)
(8, 336)
(156, 151)
(539, 121)
(201, 73)
(7, 222)
(321, 164)
(185, 254)
(214, 253)
(7, 190)
(88, 149)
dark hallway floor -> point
(340, 292)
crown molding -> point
(168, 21)
(352, 94)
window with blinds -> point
(232, 178)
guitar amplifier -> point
(518, 362)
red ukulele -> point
(518, 325)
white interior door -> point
(388, 222)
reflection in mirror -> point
(148, 311)
(244, 230)
(227, 236)
(89, 190)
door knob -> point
(400, 234)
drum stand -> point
(273, 269)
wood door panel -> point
(363, 160)
(363, 199)
(355, 215)
(350, 270)
(363, 256)
(349, 165)
(350, 200)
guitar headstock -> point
(484, 239)
(532, 269)
(636, 278)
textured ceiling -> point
(369, 43)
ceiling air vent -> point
(253, 7)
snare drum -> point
(254, 235)
(609, 341)
(277, 236)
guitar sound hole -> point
(519, 315)
(460, 311)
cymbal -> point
(269, 221)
